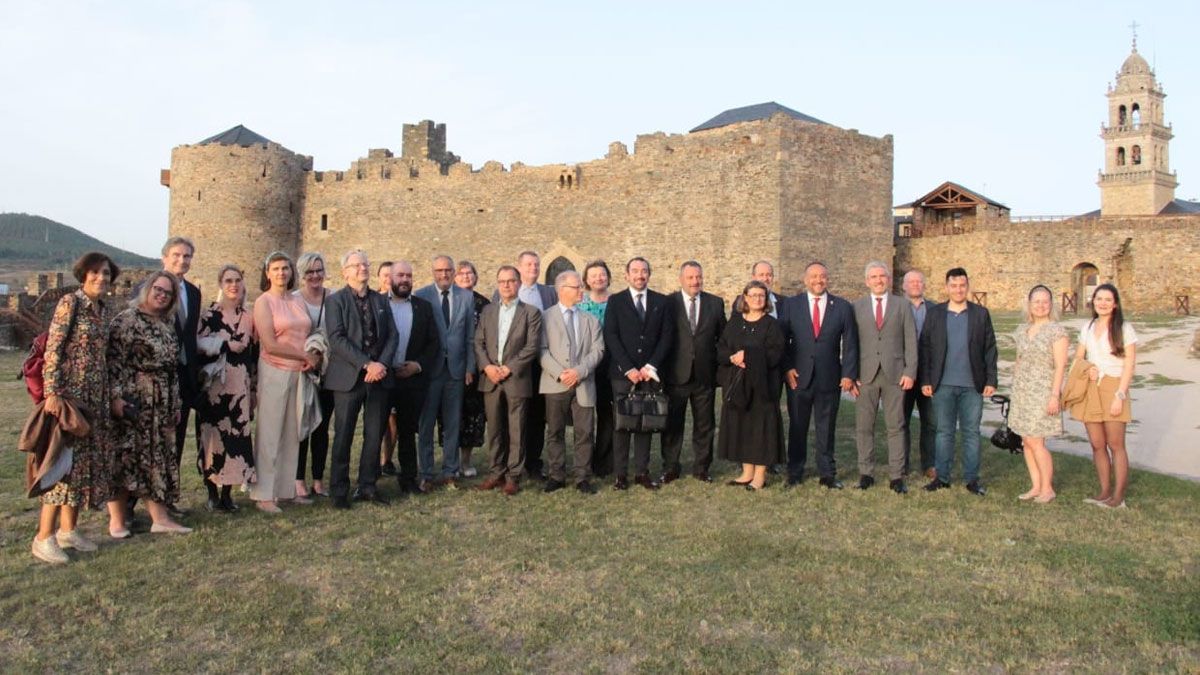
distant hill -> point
(36, 243)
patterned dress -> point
(143, 353)
(75, 369)
(1033, 382)
(225, 403)
(474, 418)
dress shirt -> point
(822, 306)
(507, 312)
(402, 316)
(687, 307)
(919, 315)
(874, 297)
(530, 296)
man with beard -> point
(417, 348)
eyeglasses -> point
(313, 273)
(756, 296)
(574, 288)
(506, 281)
(165, 292)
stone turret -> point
(239, 196)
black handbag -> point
(1005, 438)
(642, 409)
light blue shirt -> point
(919, 314)
(402, 316)
(530, 296)
(507, 312)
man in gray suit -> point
(506, 344)
(454, 314)
(362, 341)
(887, 368)
(572, 348)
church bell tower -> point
(1137, 178)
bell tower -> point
(1137, 178)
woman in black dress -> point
(470, 434)
(749, 352)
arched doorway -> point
(1085, 277)
(556, 267)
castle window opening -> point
(1120, 156)
(1121, 116)
(324, 221)
(197, 195)
(1135, 114)
(264, 171)
(1136, 154)
(569, 180)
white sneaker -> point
(47, 550)
(174, 528)
(74, 540)
(470, 472)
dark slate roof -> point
(1180, 207)
(752, 113)
(238, 135)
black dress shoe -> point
(388, 469)
(898, 486)
(668, 477)
(621, 483)
(976, 489)
(585, 487)
(341, 503)
(702, 477)
(831, 484)
(865, 482)
(553, 485)
(793, 481)
(935, 485)
(646, 481)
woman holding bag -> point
(313, 292)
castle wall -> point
(1150, 259)
(837, 205)
(713, 196)
(237, 204)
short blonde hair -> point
(143, 294)
(1027, 315)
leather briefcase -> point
(643, 409)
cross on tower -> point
(1133, 27)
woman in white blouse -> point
(1109, 344)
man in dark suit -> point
(417, 350)
(362, 344)
(177, 255)
(887, 369)
(638, 333)
(821, 361)
(958, 370)
(507, 341)
(691, 372)
(914, 293)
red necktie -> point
(878, 313)
(816, 318)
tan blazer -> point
(589, 350)
(520, 348)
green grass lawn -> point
(695, 577)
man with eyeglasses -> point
(362, 345)
(452, 372)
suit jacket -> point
(520, 348)
(457, 339)
(820, 363)
(344, 326)
(555, 356)
(892, 348)
(548, 294)
(424, 345)
(632, 343)
(981, 346)
(694, 357)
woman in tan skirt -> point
(1109, 344)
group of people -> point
(511, 372)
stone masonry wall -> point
(1150, 259)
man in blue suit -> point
(454, 369)
(821, 361)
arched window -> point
(1135, 155)
(1135, 115)
(1121, 116)
(1120, 156)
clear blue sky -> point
(1006, 98)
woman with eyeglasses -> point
(143, 354)
(470, 431)
(283, 326)
(226, 402)
(313, 292)
(596, 279)
(749, 352)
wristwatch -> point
(1120, 395)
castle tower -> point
(239, 196)
(1137, 178)
(426, 140)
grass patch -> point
(1155, 381)
(694, 577)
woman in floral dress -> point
(1037, 383)
(74, 369)
(143, 354)
(226, 335)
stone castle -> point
(762, 181)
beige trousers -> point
(276, 433)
